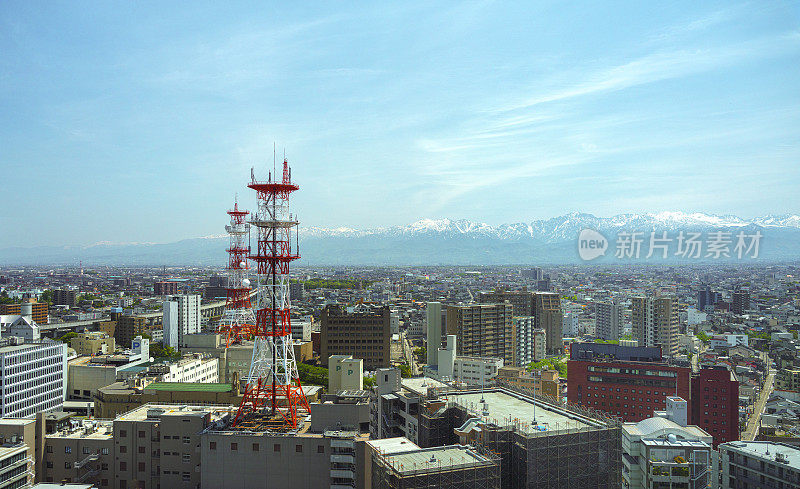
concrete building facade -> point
(362, 332)
(608, 320)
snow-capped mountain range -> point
(436, 242)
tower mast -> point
(273, 384)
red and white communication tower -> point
(273, 385)
(237, 320)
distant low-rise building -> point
(538, 382)
(93, 343)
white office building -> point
(188, 312)
(608, 321)
(195, 369)
(34, 377)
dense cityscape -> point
(477, 368)
(400, 245)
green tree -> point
(158, 350)
(67, 337)
(369, 382)
(47, 296)
(405, 370)
(550, 364)
(312, 375)
(702, 336)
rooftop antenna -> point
(274, 168)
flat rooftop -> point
(423, 460)
(155, 411)
(189, 387)
(508, 408)
(393, 445)
(420, 385)
(761, 449)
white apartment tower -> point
(169, 323)
(188, 312)
(530, 342)
(608, 320)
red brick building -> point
(628, 389)
(715, 404)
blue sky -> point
(139, 121)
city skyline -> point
(129, 124)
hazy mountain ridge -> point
(433, 241)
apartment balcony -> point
(343, 459)
(342, 444)
(342, 474)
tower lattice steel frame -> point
(237, 320)
(273, 384)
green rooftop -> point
(188, 387)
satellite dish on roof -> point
(246, 282)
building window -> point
(276, 448)
(123, 466)
(255, 447)
(123, 433)
(123, 449)
(86, 451)
(320, 448)
(298, 448)
(234, 446)
(141, 466)
(186, 440)
(141, 434)
(49, 449)
(212, 445)
(67, 449)
(141, 449)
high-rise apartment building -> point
(531, 343)
(34, 377)
(654, 321)
(362, 331)
(549, 316)
(740, 301)
(64, 297)
(169, 323)
(433, 324)
(483, 330)
(187, 309)
(608, 321)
